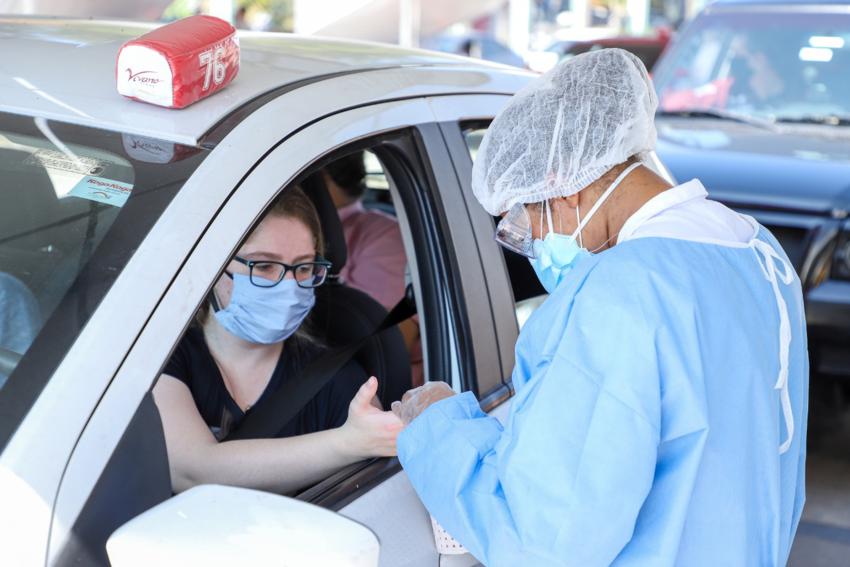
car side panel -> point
(395, 513)
(135, 479)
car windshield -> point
(778, 66)
(75, 203)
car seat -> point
(343, 315)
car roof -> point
(64, 69)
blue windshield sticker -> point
(102, 190)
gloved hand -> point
(417, 400)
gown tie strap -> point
(775, 269)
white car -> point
(116, 217)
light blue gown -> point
(647, 422)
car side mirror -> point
(224, 526)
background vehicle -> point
(755, 101)
(477, 45)
(647, 49)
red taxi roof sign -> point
(179, 63)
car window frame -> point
(467, 316)
(471, 316)
(136, 376)
(455, 114)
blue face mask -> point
(554, 257)
(265, 315)
(557, 254)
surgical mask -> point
(557, 254)
(265, 315)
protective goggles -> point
(514, 231)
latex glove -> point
(417, 400)
(369, 431)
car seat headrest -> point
(336, 250)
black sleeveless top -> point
(193, 364)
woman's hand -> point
(368, 431)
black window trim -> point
(506, 329)
(402, 153)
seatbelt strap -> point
(268, 418)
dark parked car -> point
(755, 102)
(647, 49)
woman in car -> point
(245, 343)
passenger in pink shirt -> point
(376, 259)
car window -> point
(74, 203)
(789, 66)
(528, 293)
(377, 187)
(376, 260)
(316, 275)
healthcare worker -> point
(661, 390)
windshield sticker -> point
(105, 191)
(52, 159)
(148, 149)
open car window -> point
(364, 275)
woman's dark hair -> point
(292, 203)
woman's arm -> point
(277, 465)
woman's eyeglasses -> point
(264, 273)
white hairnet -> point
(565, 130)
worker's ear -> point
(571, 201)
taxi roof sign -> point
(179, 63)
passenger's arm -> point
(278, 465)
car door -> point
(479, 363)
(121, 449)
